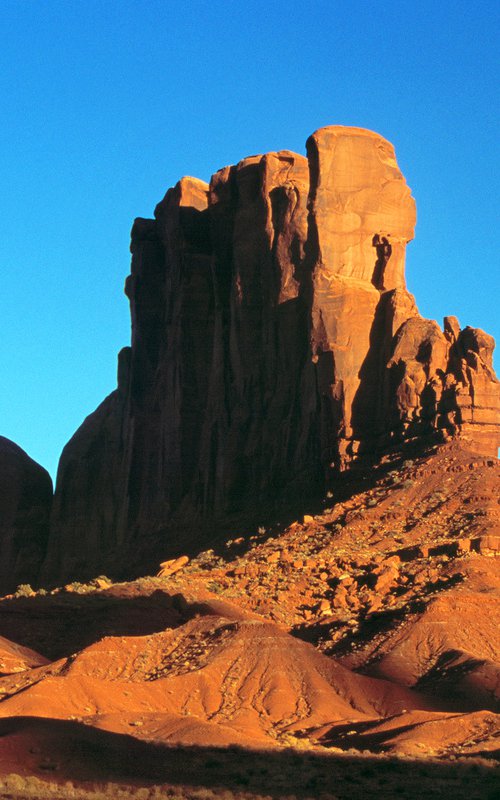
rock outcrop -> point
(274, 344)
(25, 502)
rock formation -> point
(25, 502)
(274, 344)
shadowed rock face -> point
(273, 344)
(25, 501)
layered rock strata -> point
(273, 344)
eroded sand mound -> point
(211, 680)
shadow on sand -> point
(59, 625)
(60, 750)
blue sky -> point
(106, 104)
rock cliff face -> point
(25, 502)
(273, 344)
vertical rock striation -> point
(273, 344)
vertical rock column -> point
(361, 216)
(258, 436)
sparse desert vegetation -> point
(247, 775)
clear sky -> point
(104, 105)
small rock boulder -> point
(173, 565)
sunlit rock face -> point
(274, 344)
(361, 216)
(361, 207)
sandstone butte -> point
(274, 346)
(307, 471)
